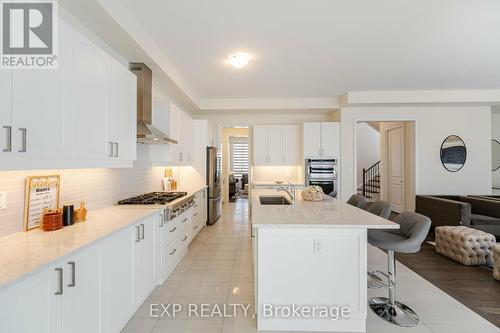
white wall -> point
(433, 125)
(368, 148)
(495, 134)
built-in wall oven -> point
(322, 173)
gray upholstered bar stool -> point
(357, 200)
(407, 239)
(383, 209)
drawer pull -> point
(60, 271)
(184, 239)
(185, 220)
(8, 137)
(195, 227)
(142, 231)
(195, 214)
(161, 220)
(171, 253)
(73, 273)
(137, 234)
(173, 229)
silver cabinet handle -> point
(173, 229)
(195, 214)
(116, 150)
(161, 220)
(180, 157)
(195, 227)
(184, 239)
(185, 219)
(137, 232)
(8, 143)
(171, 253)
(24, 133)
(110, 148)
(142, 231)
(73, 274)
(60, 271)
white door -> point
(260, 147)
(312, 139)
(119, 277)
(40, 106)
(330, 139)
(31, 306)
(275, 147)
(89, 106)
(5, 113)
(395, 163)
(81, 303)
(122, 112)
(145, 259)
(291, 145)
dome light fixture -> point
(239, 59)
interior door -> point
(81, 308)
(5, 113)
(395, 162)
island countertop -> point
(329, 213)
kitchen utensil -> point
(81, 213)
(52, 220)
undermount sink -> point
(274, 200)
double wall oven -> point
(322, 173)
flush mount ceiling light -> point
(239, 59)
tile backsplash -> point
(97, 187)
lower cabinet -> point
(144, 272)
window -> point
(239, 156)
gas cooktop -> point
(153, 198)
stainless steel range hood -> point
(146, 132)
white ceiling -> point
(324, 48)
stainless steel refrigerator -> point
(214, 184)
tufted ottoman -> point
(465, 245)
(496, 264)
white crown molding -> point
(218, 104)
(127, 21)
(485, 96)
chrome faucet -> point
(290, 190)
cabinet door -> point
(330, 139)
(174, 133)
(5, 113)
(291, 145)
(31, 305)
(122, 112)
(275, 144)
(188, 139)
(81, 302)
(312, 139)
(89, 106)
(260, 146)
(40, 106)
(119, 277)
(145, 259)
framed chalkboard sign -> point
(41, 193)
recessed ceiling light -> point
(239, 59)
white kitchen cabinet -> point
(122, 112)
(145, 274)
(321, 139)
(40, 107)
(119, 279)
(276, 145)
(30, 305)
(89, 101)
(82, 291)
(5, 113)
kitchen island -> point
(310, 263)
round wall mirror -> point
(495, 155)
(453, 153)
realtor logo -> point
(29, 35)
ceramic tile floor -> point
(218, 270)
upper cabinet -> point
(82, 114)
(276, 145)
(321, 139)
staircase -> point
(371, 182)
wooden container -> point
(318, 196)
(81, 213)
(52, 220)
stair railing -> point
(368, 177)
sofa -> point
(478, 212)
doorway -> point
(235, 163)
(385, 161)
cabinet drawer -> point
(175, 251)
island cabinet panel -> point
(311, 267)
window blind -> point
(239, 156)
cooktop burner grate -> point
(153, 198)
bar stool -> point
(407, 239)
(357, 200)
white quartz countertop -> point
(329, 213)
(26, 252)
(273, 183)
